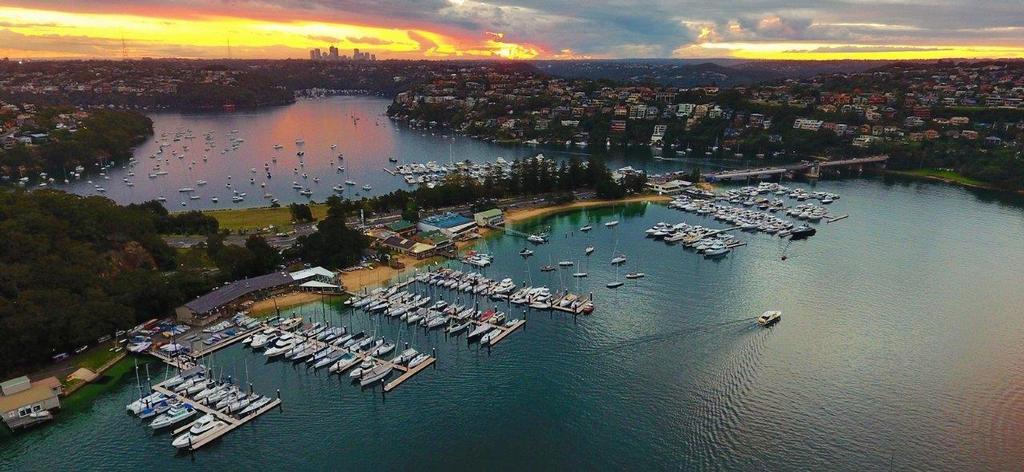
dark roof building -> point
(219, 299)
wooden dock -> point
(507, 330)
(231, 421)
(407, 374)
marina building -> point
(229, 297)
(453, 225)
(24, 403)
(489, 218)
(671, 187)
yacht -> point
(802, 232)
(620, 259)
(204, 427)
(615, 284)
(635, 275)
(526, 252)
(174, 415)
(611, 223)
(769, 318)
(536, 239)
(589, 250)
(586, 228)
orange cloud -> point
(47, 33)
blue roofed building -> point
(451, 224)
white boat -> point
(418, 360)
(174, 415)
(769, 318)
(586, 228)
(589, 250)
(611, 223)
(479, 331)
(204, 427)
(635, 275)
(492, 335)
(375, 374)
(616, 284)
(620, 259)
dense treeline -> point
(75, 268)
(189, 222)
(104, 136)
(333, 244)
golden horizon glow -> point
(211, 35)
(42, 33)
(836, 51)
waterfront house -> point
(24, 403)
(492, 218)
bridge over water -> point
(810, 168)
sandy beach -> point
(527, 213)
(288, 300)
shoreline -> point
(951, 181)
(521, 214)
(358, 280)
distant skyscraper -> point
(333, 53)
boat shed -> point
(492, 218)
(219, 300)
(24, 402)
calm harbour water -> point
(357, 126)
(900, 346)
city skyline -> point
(512, 29)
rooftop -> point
(237, 289)
(39, 391)
(446, 220)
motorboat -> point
(586, 228)
(526, 252)
(589, 250)
(172, 416)
(620, 259)
(769, 318)
(615, 284)
(635, 275)
(206, 426)
(802, 232)
(406, 356)
(418, 360)
(536, 239)
(611, 223)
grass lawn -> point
(96, 357)
(947, 175)
(256, 218)
(108, 381)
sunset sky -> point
(515, 29)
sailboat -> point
(636, 274)
(580, 274)
(615, 283)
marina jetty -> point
(199, 405)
